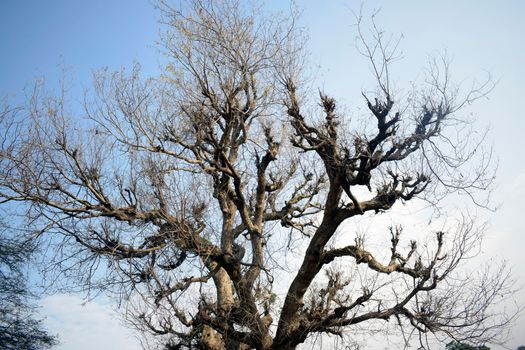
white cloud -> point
(85, 326)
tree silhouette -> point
(19, 329)
(455, 345)
(185, 194)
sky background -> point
(42, 38)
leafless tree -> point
(183, 194)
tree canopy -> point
(185, 194)
(455, 345)
(19, 327)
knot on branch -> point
(380, 109)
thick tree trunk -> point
(312, 263)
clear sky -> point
(39, 38)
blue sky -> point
(39, 38)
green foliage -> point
(19, 329)
(455, 345)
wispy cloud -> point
(89, 326)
